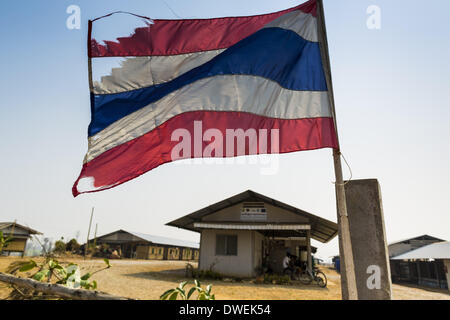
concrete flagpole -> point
(348, 278)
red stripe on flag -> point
(170, 37)
(149, 151)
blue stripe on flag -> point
(277, 54)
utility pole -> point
(95, 236)
(348, 279)
(89, 232)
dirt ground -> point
(144, 279)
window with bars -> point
(226, 245)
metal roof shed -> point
(438, 250)
(428, 265)
(128, 241)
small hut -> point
(19, 234)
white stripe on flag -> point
(240, 93)
(304, 24)
(133, 73)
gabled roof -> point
(4, 225)
(166, 241)
(437, 250)
(422, 237)
(156, 239)
(321, 229)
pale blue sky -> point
(391, 88)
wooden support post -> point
(437, 273)
(200, 252)
(418, 272)
(308, 248)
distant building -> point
(20, 235)
(144, 246)
(402, 246)
(249, 233)
(423, 260)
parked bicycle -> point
(306, 277)
(301, 273)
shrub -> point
(60, 246)
(206, 274)
(191, 272)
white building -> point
(243, 235)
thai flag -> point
(194, 88)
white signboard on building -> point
(253, 211)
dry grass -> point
(143, 279)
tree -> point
(72, 245)
(60, 246)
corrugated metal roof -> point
(4, 225)
(164, 240)
(438, 250)
(422, 237)
(254, 226)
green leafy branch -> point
(4, 241)
(69, 276)
(202, 294)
